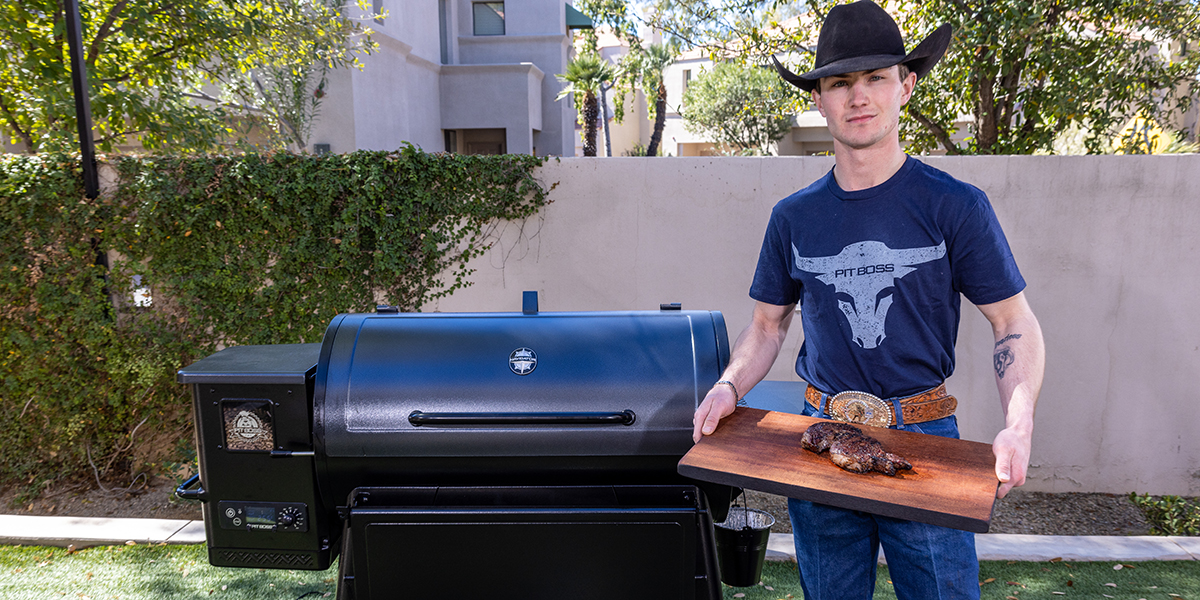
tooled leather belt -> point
(867, 409)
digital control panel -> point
(263, 516)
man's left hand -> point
(1019, 358)
(1011, 448)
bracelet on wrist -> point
(737, 399)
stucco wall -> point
(1108, 246)
(548, 51)
(396, 99)
(514, 100)
(400, 95)
(393, 99)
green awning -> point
(577, 20)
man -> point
(877, 253)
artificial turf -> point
(1162, 580)
(145, 573)
(176, 572)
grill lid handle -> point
(419, 418)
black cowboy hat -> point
(864, 37)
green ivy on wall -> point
(250, 249)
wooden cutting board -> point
(953, 482)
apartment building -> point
(465, 76)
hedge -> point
(247, 249)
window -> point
(484, 141)
(443, 31)
(687, 78)
(489, 18)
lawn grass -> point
(1165, 580)
(177, 572)
(145, 573)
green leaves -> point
(249, 249)
(1018, 75)
(583, 79)
(1169, 515)
(159, 68)
(584, 75)
(742, 108)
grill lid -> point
(515, 384)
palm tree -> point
(650, 66)
(584, 77)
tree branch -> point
(939, 133)
(1010, 83)
(102, 33)
(16, 126)
(986, 129)
(59, 17)
(199, 95)
(202, 96)
(817, 11)
(278, 117)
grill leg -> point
(710, 589)
(345, 579)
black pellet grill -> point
(535, 451)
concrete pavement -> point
(82, 532)
(1036, 548)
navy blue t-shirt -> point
(878, 273)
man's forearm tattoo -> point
(1013, 336)
(1004, 355)
(1001, 359)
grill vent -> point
(266, 558)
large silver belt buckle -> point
(860, 408)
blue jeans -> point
(836, 549)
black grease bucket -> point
(742, 545)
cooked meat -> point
(851, 449)
(819, 436)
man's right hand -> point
(752, 356)
(718, 404)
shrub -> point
(1169, 515)
(249, 249)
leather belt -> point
(867, 409)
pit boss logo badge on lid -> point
(522, 361)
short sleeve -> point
(982, 262)
(773, 283)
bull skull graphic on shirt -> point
(862, 271)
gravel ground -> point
(155, 500)
(1037, 513)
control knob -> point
(289, 517)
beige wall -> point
(1108, 245)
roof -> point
(577, 20)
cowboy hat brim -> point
(920, 61)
